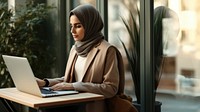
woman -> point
(93, 65)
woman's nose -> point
(72, 30)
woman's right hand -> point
(40, 82)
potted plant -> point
(23, 34)
(133, 51)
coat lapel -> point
(70, 66)
(90, 57)
(73, 56)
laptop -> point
(24, 79)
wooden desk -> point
(36, 102)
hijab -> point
(92, 23)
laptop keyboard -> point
(45, 91)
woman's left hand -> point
(62, 86)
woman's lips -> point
(75, 36)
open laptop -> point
(24, 79)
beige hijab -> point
(92, 23)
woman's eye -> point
(78, 26)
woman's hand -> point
(62, 86)
(40, 82)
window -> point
(180, 80)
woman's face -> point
(77, 29)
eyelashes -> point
(76, 25)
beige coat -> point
(103, 74)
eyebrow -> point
(75, 24)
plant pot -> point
(157, 106)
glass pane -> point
(179, 87)
(78, 2)
(119, 10)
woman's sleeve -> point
(109, 86)
(55, 81)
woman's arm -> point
(51, 82)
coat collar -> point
(90, 57)
(72, 58)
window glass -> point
(93, 2)
(179, 86)
(118, 9)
